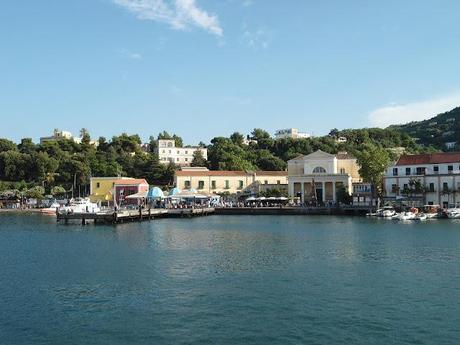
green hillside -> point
(437, 131)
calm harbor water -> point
(230, 280)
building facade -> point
(317, 177)
(126, 187)
(292, 133)
(438, 174)
(101, 188)
(232, 182)
(64, 135)
(183, 156)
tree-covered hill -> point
(436, 132)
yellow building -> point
(101, 188)
(221, 181)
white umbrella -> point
(140, 195)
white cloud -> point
(416, 111)
(180, 14)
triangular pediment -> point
(319, 155)
(314, 155)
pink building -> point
(125, 187)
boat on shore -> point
(51, 210)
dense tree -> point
(198, 159)
(7, 145)
(373, 162)
(237, 138)
(177, 139)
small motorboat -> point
(388, 212)
(80, 205)
(407, 215)
(453, 213)
(432, 211)
(421, 217)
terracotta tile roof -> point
(271, 173)
(432, 158)
(229, 173)
(134, 181)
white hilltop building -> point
(292, 133)
(64, 135)
(183, 156)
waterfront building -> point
(292, 133)
(125, 187)
(231, 182)
(101, 188)
(438, 174)
(64, 135)
(182, 156)
(318, 176)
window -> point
(395, 171)
(178, 152)
(164, 151)
(405, 186)
(445, 186)
(227, 184)
(169, 151)
(169, 145)
(319, 170)
(98, 185)
(240, 184)
(431, 188)
(186, 152)
(278, 181)
(420, 171)
(342, 170)
(436, 169)
(407, 171)
(177, 159)
(187, 184)
(394, 188)
(450, 168)
(200, 184)
(266, 182)
(186, 159)
(213, 184)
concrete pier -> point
(115, 217)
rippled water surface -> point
(230, 280)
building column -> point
(302, 190)
(324, 191)
(333, 192)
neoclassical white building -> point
(439, 174)
(320, 174)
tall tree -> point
(373, 162)
(198, 159)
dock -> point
(122, 216)
(295, 211)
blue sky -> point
(203, 68)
